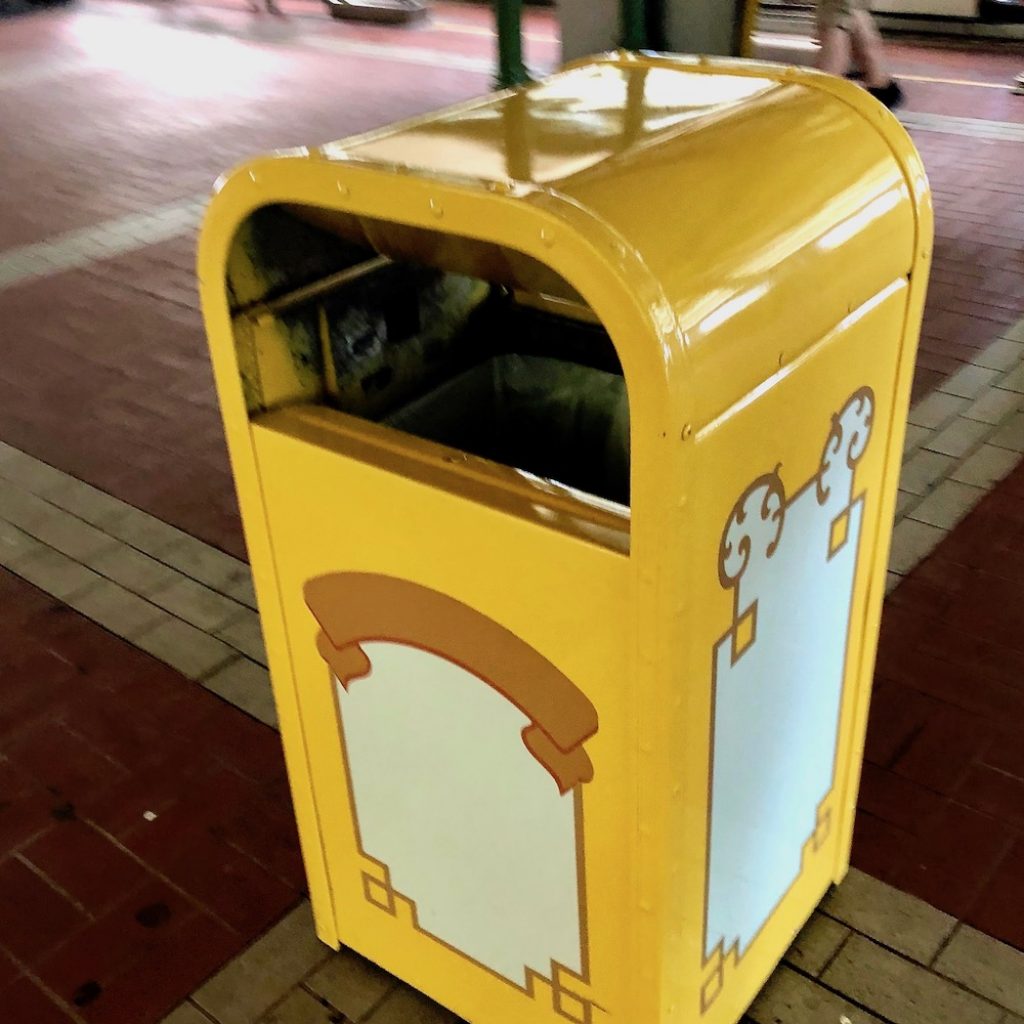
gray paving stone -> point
(911, 543)
(1002, 354)
(19, 507)
(1013, 381)
(923, 470)
(243, 591)
(1010, 434)
(986, 966)
(245, 634)
(70, 535)
(125, 614)
(915, 436)
(936, 409)
(300, 1007)
(86, 502)
(206, 564)
(29, 473)
(959, 437)
(186, 1014)
(246, 685)
(994, 406)
(57, 574)
(902, 991)
(192, 652)
(791, 998)
(264, 973)
(970, 381)
(948, 504)
(987, 466)
(904, 501)
(16, 545)
(407, 1006)
(1015, 333)
(196, 604)
(892, 917)
(141, 530)
(819, 940)
(134, 570)
(80, 247)
(352, 985)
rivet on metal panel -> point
(253, 178)
(782, 358)
(343, 189)
(547, 236)
(436, 209)
(687, 431)
(502, 188)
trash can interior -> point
(477, 349)
(556, 419)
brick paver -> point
(105, 379)
(942, 802)
(145, 826)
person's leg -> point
(869, 49)
(833, 39)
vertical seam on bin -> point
(308, 763)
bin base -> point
(388, 12)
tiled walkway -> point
(105, 379)
(942, 799)
(131, 867)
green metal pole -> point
(509, 17)
(634, 24)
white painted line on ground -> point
(115, 237)
(972, 127)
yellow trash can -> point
(567, 426)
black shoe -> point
(891, 95)
(855, 74)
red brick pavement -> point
(977, 284)
(102, 909)
(942, 803)
(105, 375)
(960, 62)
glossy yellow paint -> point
(755, 239)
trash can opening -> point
(446, 338)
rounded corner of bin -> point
(234, 196)
(889, 128)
